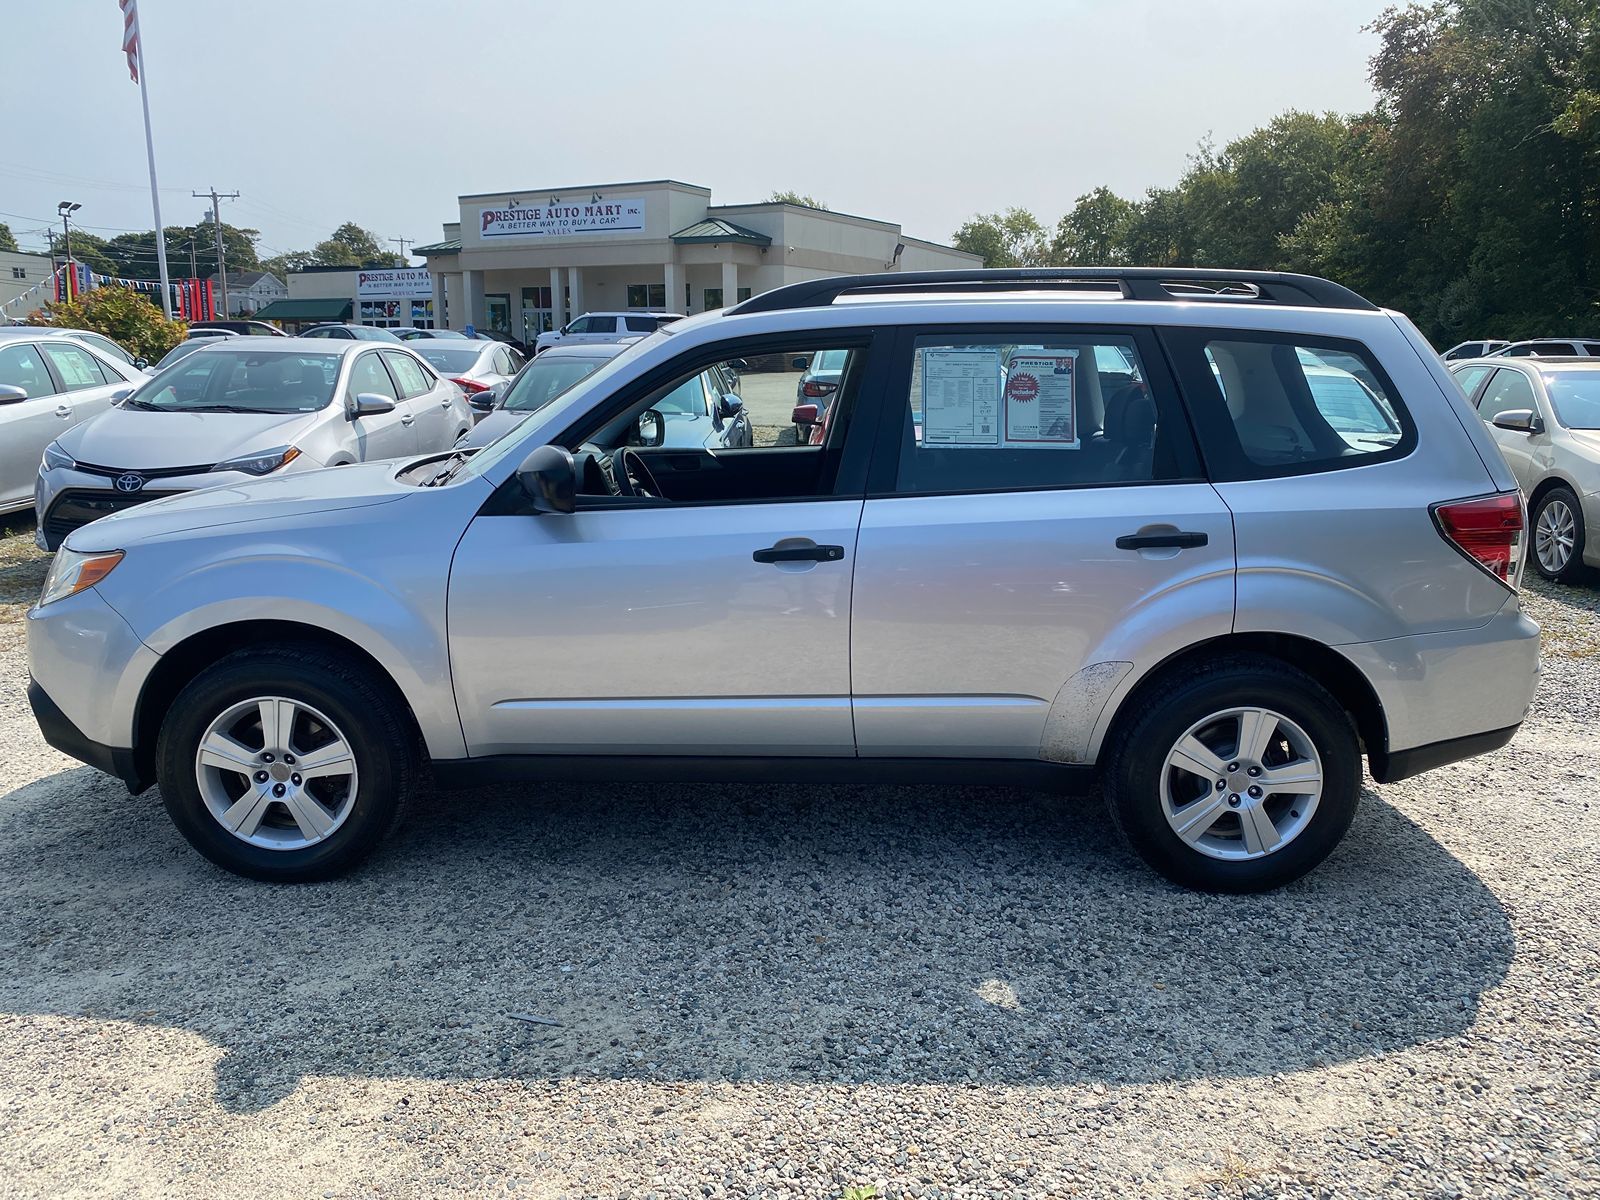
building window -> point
(647, 295)
(743, 294)
(19, 272)
(713, 298)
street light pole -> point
(66, 208)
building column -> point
(438, 301)
(575, 282)
(730, 283)
(558, 299)
(473, 311)
(674, 281)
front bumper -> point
(66, 737)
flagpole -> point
(155, 192)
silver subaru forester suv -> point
(1208, 537)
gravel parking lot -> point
(793, 991)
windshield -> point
(449, 358)
(1575, 395)
(253, 381)
(544, 379)
(574, 399)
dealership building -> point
(530, 260)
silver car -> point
(51, 382)
(1182, 579)
(1545, 415)
(239, 409)
(475, 367)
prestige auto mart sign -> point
(563, 219)
(394, 284)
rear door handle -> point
(64, 412)
(1176, 540)
(799, 554)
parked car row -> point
(1533, 348)
(231, 410)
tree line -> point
(133, 255)
(1468, 197)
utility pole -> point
(216, 228)
(194, 267)
(405, 261)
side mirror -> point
(549, 478)
(739, 364)
(801, 363)
(804, 414)
(1519, 420)
(118, 395)
(487, 400)
(369, 404)
(652, 428)
(141, 364)
(730, 405)
(12, 395)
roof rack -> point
(1135, 283)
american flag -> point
(130, 35)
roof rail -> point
(1135, 283)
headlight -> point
(55, 457)
(264, 463)
(71, 572)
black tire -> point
(372, 718)
(1133, 776)
(1574, 569)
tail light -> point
(817, 390)
(470, 386)
(1488, 530)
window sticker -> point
(1040, 401)
(961, 397)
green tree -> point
(122, 314)
(352, 246)
(7, 240)
(86, 249)
(1095, 232)
(135, 253)
(1013, 238)
(799, 198)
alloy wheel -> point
(1241, 783)
(1555, 535)
(276, 773)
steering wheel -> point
(632, 477)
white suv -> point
(1208, 537)
(593, 329)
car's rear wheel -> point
(1558, 535)
(286, 764)
(1236, 777)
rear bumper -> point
(1447, 696)
(66, 737)
(1390, 766)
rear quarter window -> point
(1269, 404)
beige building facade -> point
(527, 261)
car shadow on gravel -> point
(798, 934)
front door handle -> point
(408, 419)
(1176, 540)
(813, 553)
(63, 412)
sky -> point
(383, 112)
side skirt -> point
(1072, 778)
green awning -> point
(717, 230)
(453, 246)
(326, 309)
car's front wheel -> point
(287, 764)
(1558, 535)
(1238, 776)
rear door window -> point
(1031, 409)
(408, 373)
(1270, 404)
(77, 368)
(1468, 379)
